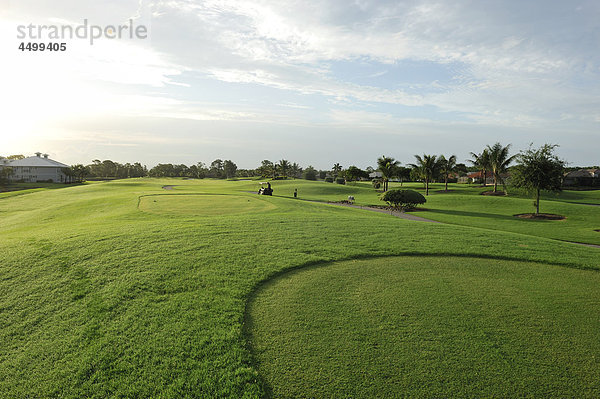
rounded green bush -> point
(403, 199)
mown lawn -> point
(463, 205)
(104, 292)
(429, 327)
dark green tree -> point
(283, 167)
(428, 167)
(79, 172)
(295, 170)
(337, 168)
(387, 166)
(5, 174)
(482, 162)
(229, 168)
(539, 170)
(266, 169)
(310, 173)
(447, 166)
(498, 162)
(355, 173)
(201, 170)
(216, 168)
(402, 173)
(69, 174)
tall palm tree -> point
(387, 166)
(337, 168)
(284, 166)
(498, 162)
(266, 168)
(296, 170)
(447, 166)
(482, 162)
(428, 166)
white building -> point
(37, 168)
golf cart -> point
(265, 189)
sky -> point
(314, 82)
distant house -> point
(582, 177)
(37, 169)
(476, 177)
(375, 175)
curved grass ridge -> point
(202, 205)
(98, 299)
(427, 326)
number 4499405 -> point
(43, 46)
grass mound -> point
(428, 326)
(202, 205)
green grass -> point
(12, 189)
(464, 206)
(103, 294)
(202, 205)
(429, 327)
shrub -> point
(403, 199)
(329, 179)
(376, 184)
(340, 180)
(310, 173)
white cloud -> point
(513, 65)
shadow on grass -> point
(474, 214)
(10, 187)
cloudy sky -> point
(315, 82)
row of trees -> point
(220, 169)
(536, 169)
(428, 168)
(493, 159)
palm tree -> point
(283, 166)
(498, 162)
(296, 170)
(337, 168)
(428, 166)
(447, 166)
(69, 173)
(481, 161)
(387, 166)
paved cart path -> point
(393, 213)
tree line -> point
(536, 169)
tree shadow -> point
(476, 214)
